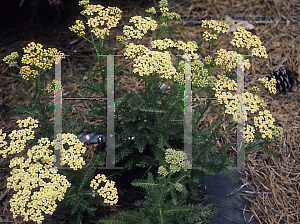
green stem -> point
(164, 190)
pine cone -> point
(287, 80)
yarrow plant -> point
(37, 184)
(157, 149)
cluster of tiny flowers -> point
(169, 15)
(179, 187)
(208, 36)
(154, 61)
(151, 10)
(84, 3)
(215, 26)
(177, 159)
(51, 87)
(265, 123)
(189, 49)
(244, 39)
(108, 192)
(163, 24)
(163, 3)
(251, 104)
(162, 171)
(78, 28)
(228, 60)
(222, 83)
(37, 56)
(255, 89)
(162, 44)
(211, 81)
(28, 174)
(270, 85)
(97, 16)
(248, 133)
(277, 133)
(208, 60)
(72, 156)
(198, 73)
(122, 39)
(25, 180)
(142, 25)
(18, 138)
(132, 50)
(11, 59)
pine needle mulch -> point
(273, 185)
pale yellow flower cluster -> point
(78, 28)
(277, 133)
(36, 56)
(24, 180)
(189, 49)
(108, 192)
(143, 25)
(208, 36)
(28, 174)
(198, 73)
(162, 171)
(84, 3)
(270, 85)
(244, 39)
(208, 59)
(265, 123)
(72, 156)
(51, 87)
(177, 159)
(169, 15)
(215, 26)
(248, 133)
(255, 89)
(223, 83)
(228, 60)
(132, 50)
(154, 61)
(11, 59)
(163, 3)
(97, 16)
(250, 103)
(162, 44)
(147, 62)
(18, 138)
(151, 10)
(219, 27)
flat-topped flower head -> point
(163, 44)
(270, 85)
(214, 26)
(108, 192)
(97, 17)
(265, 123)
(151, 10)
(244, 39)
(38, 57)
(177, 160)
(142, 26)
(229, 60)
(11, 59)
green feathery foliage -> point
(156, 209)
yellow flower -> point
(11, 59)
(78, 28)
(108, 192)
